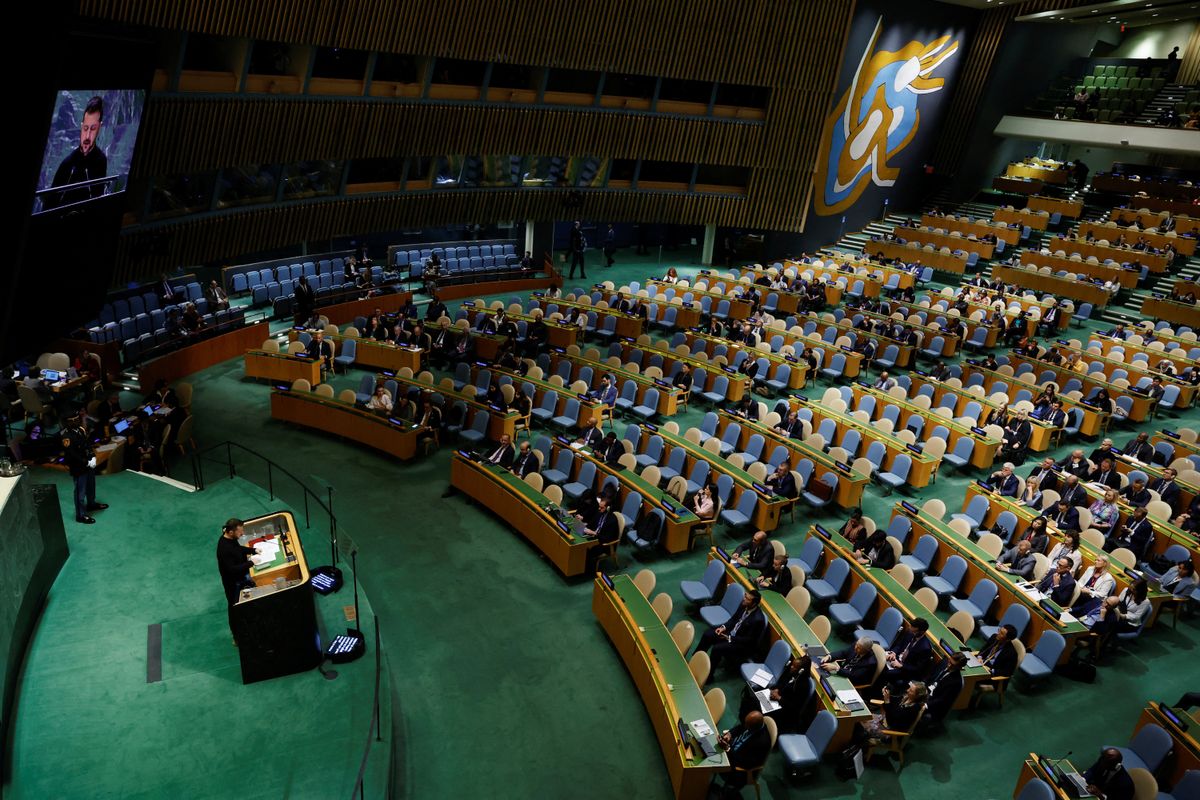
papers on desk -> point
(765, 703)
(1030, 589)
(700, 728)
(577, 445)
(851, 699)
(761, 678)
(266, 552)
(1066, 618)
(973, 660)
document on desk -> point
(266, 552)
(700, 728)
(851, 699)
(765, 703)
(761, 678)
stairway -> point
(1169, 96)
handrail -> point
(199, 483)
(374, 729)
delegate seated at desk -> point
(777, 577)
(793, 692)
(736, 639)
(747, 747)
(1059, 583)
(320, 349)
(910, 655)
(503, 454)
(855, 663)
(782, 482)
(1004, 481)
(525, 462)
(1018, 560)
(1107, 778)
(759, 553)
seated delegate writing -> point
(758, 552)
(856, 663)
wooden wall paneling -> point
(1189, 65)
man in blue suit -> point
(1059, 584)
(911, 654)
(1064, 516)
(1004, 481)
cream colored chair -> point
(683, 633)
(663, 605)
(645, 580)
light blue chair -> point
(570, 415)
(742, 514)
(676, 463)
(584, 481)
(829, 479)
(885, 630)
(804, 751)
(1016, 615)
(477, 433)
(829, 586)
(648, 408)
(975, 512)
(1039, 662)
(775, 663)
(705, 589)
(978, 602)
(349, 351)
(718, 615)
(951, 577)
(560, 473)
(1036, 789)
(960, 456)
(922, 556)
(653, 454)
(810, 555)
(1147, 748)
(854, 612)
(897, 475)
(1188, 787)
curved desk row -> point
(396, 438)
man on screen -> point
(84, 163)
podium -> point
(275, 621)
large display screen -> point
(89, 148)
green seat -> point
(1098, 71)
(1069, 112)
(1104, 116)
(1135, 83)
(1155, 72)
(1110, 71)
(1158, 82)
(1121, 72)
(1122, 82)
(1089, 81)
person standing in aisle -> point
(81, 461)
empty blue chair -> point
(855, 611)
(676, 464)
(719, 390)
(754, 448)
(545, 410)
(705, 589)
(836, 368)
(729, 440)
(366, 388)
(742, 514)
(477, 433)
(876, 452)
(897, 475)
(934, 348)
(1016, 615)
(717, 615)
(886, 628)
(570, 414)
(1147, 748)
(979, 601)
(829, 586)
(950, 579)
(648, 407)
(348, 353)
(1036, 789)
(887, 361)
(804, 751)
(922, 556)
(810, 555)
(627, 399)
(560, 473)
(975, 512)
(584, 481)
(774, 664)
(780, 380)
(830, 479)
(1039, 662)
(963, 451)
(1188, 788)
(653, 454)
(699, 475)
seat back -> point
(1151, 744)
(1049, 647)
(836, 574)
(954, 571)
(733, 598)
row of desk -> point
(978, 227)
(1034, 220)
(1153, 219)
(943, 262)
(1115, 273)
(939, 239)
(1084, 292)
(1184, 245)
(1152, 261)
(1171, 311)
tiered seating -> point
(461, 264)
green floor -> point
(505, 686)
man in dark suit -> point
(1016, 438)
(320, 349)
(1074, 494)
(1106, 474)
(1075, 464)
(1103, 451)
(747, 747)
(855, 663)
(1064, 516)
(1136, 494)
(944, 686)
(998, 653)
(782, 482)
(1018, 560)
(611, 450)
(503, 454)
(683, 378)
(592, 433)
(758, 552)
(81, 463)
(526, 462)
(911, 653)
(305, 300)
(1155, 391)
(1055, 415)
(1059, 583)
(1139, 447)
(578, 244)
(1004, 481)
(1046, 476)
(1167, 488)
(1107, 778)
(603, 525)
(736, 639)
(1136, 534)
(791, 427)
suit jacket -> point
(592, 436)
(1135, 498)
(748, 748)
(524, 465)
(1002, 660)
(1017, 437)
(1063, 592)
(322, 350)
(1079, 469)
(784, 486)
(1047, 479)
(915, 654)
(1007, 487)
(760, 557)
(1168, 493)
(1056, 418)
(1114, 783)
(1110, 478)
(1019, 564)
(1142, 451)
(1075, 496)
(857, 670)
(605, 527)
(1136, 535)
(882, 558)
(944, 687)
(501, 455)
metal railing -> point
(257, 468)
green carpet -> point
(505, 686)
(88, 725)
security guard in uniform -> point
(81, 461)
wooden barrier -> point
(202, 355)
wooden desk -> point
(1122, 184)
(950, 342)
(201, 355)
(924, 236)
(1187, 746)
(735, 389)
(663, 679)
(832, 266)
(851, 483)
(1088, 552)
(372, 354)
(984, 454)
(790, 301)
(1184, 245)
(784, 623)
(979, 227)
(1122, 255)
(944, 262)
(1056, 205)
(501, 422)
(1053, 174)
(1042, 433)
(739, 309)
(588, 409)
(282, 367)
(1034, 220)
(668, 396)
(991, 334)
(1180, 313)
(345, 420)
(524, 509)
(1033, 768)
(1126, 276)
(893, 594)
(1008, 300)
(1154, 219)
(1141, 402)
(922, 465)
(1081, 291)
(341, 313)
(770, 506)
(979, 567)
(799, 374)
(1176, 207)
(678, 518)
(904, 358)
(1187, 392)
(628, 325)
(559, 333)
(1010, 185)
(1095, 421)
(487, 345)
